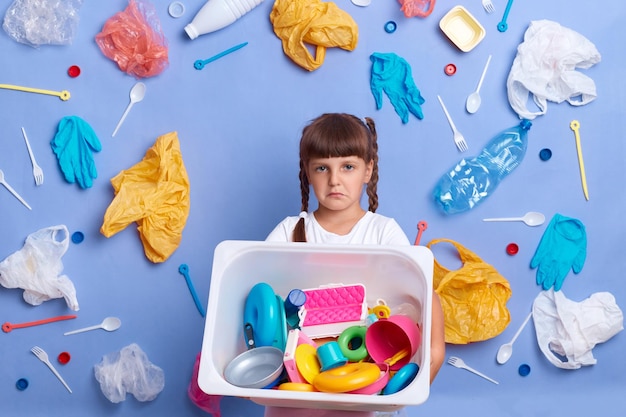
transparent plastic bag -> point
(129, 371)
(42, 22)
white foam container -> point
(396, 274)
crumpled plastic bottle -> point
(471, 181)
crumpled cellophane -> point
(473, 298)
(321, 24)
(155, 194)
(134, 40)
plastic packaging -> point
(471, 181)
(217, 14)
(129, 371)
(204, 401)
(419, 8)
(134, 40)
(42, 22)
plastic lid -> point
(21, 384)
(64, 357)
(450, 69)
(390, 26)
(78, 237)
(176, 9)
(545, 154)
(73, 71)
(512, 249)
(524, 369)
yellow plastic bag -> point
(473, 298)
(155, 194)
(321, 24)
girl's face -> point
(338, 182)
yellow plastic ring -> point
(349, 377)
(296, 386)
(345, 339)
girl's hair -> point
(337, 135)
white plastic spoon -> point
(473, 100)
(137, 93)
(109, 324)
(532, 218)
(506, 350)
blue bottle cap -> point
(390, 26)
(545, 154)
(21, 384)
(78, 237)
(524, 369)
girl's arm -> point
(437, 338)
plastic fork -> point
(12, 191)
(458, 363)
(43, 356)
(37, 171)
(488, 6)
(459, 140)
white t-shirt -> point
(372, 229)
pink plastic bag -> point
(420, 8)
(134, 40)
(206, 402)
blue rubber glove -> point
(72, 145)
(562, 246)
(392, 74)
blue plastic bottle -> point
(471, 181)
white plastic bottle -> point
(217, 14)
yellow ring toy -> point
(296, 386)
(348, 377)
(345, 339)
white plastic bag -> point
(545, 67)
(567, 331)
(36, 267)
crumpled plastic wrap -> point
(134, 40)
(317, 23)
(36, 267)
(567, 331)
(155, 194)
(417, 8)
(129, 372)
(42, 22)
(546, 67)
(473, 297)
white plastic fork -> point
(12, 191)
(37, 171)
(458, 363)
(459, 140)
(488, 6)
(43, 356)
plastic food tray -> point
(462, 28)
(397, 274)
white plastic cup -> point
(217, 14)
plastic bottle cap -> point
(524, 369)
(390, 26)
(545, 154)
(450, 69)
(63, 358)
(512, 249)
(176, 9)
(78, 237)
(21, 384)
(73, 71)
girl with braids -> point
(338, 157)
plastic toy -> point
(348, 377)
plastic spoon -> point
(506, 350)
(137, 93)
(109, 324)
(473, 100)
(532, 218)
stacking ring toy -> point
(349, 377)
(402, 378)
(346, 342)
(296, 386)
(261, 311)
